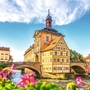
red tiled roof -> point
(87, 57)
(5, 48)
(52, 44)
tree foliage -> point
(75, 56)
(3, 65)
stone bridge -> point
(76, 67)
(34, 66)
(79, 68)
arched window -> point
(47, 38)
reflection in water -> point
(62, 83)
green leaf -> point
(71, 86)
(40, 85)
(52, 86)
(31, 87)
(44, 86)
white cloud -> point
(62, 11)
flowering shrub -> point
(9, 85)
(72, 86)
(78, 84)
(27, 79)
(88, 69)
(88, 87)
(43, 86)
(28, 82)
(7, 71)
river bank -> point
(61, 83)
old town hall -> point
(49, 49)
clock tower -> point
(48, 20)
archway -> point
(22, 68)
(78, 70)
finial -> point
(48, 11)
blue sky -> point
(20, 18)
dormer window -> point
(47, 38)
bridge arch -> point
(21, 67)
(79, 69)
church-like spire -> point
(48, 20)
(48, 12)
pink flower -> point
(27, 79)
(6, 71)
(9, 70)
(88, 69)
(79, 82)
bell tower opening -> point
(49, 22)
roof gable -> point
(52, 44)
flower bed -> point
(28, 82)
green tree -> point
(75, 56)
(3, 65)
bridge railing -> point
(77, 62)
(23, 63)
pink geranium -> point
(88, 69)
(27, 79)
(6, 71)
(79, 82)
(9, 70)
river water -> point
(62, 83)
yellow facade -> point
(5, 54)
(29, 55)
(50, 49)
(54, 56)
(47, 61)
(57, 60)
